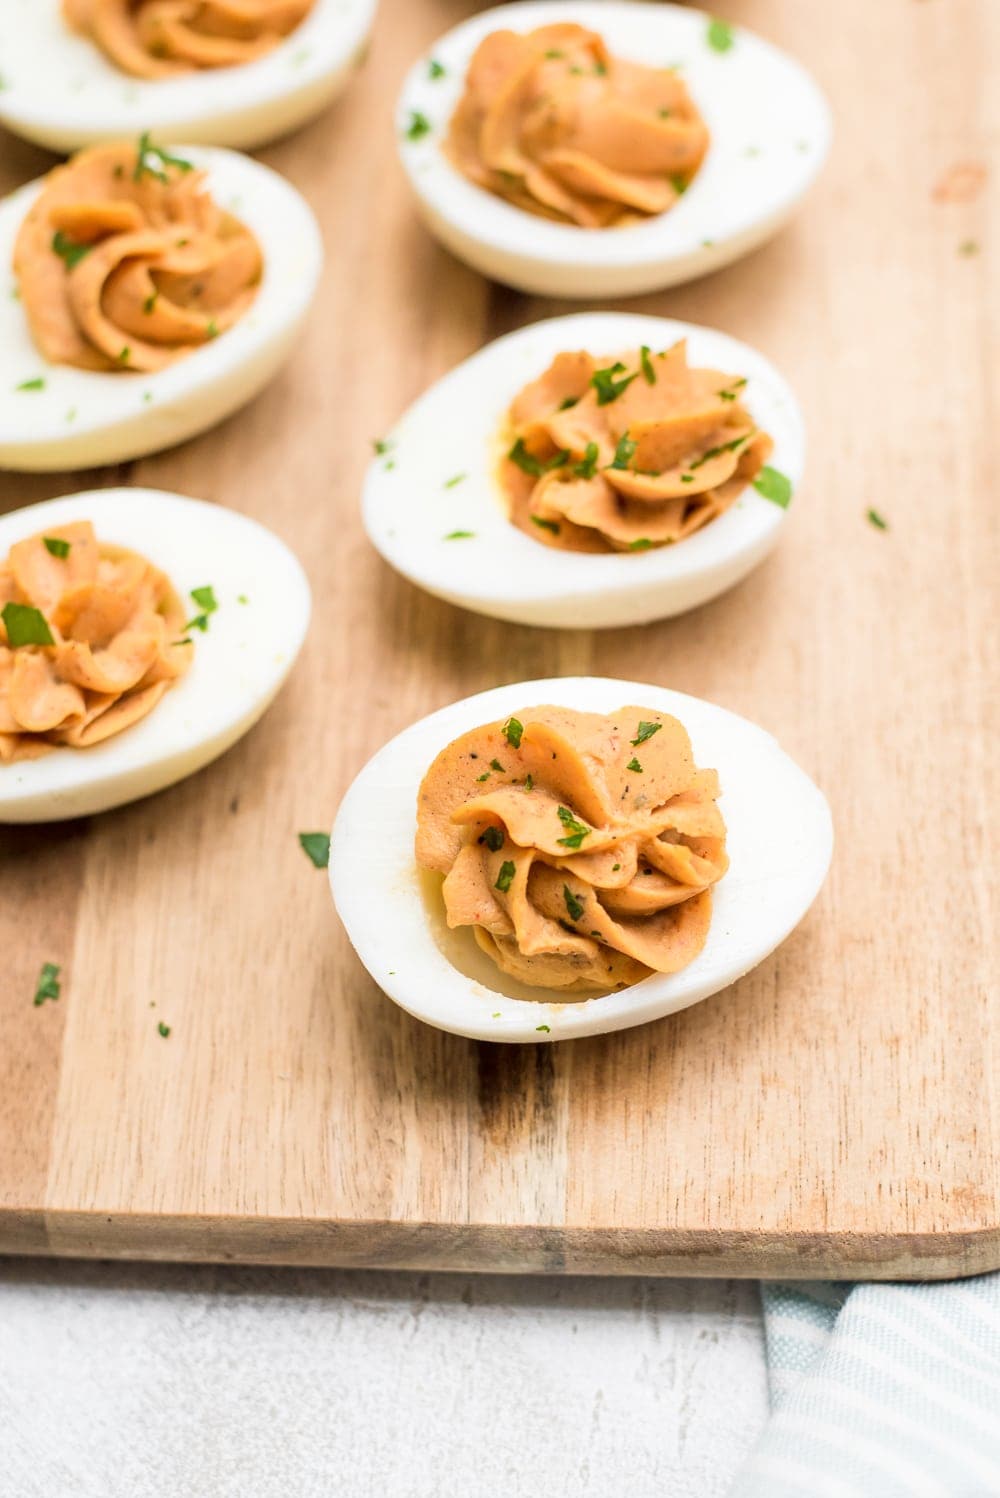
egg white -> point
(239, 662)
(62, 92)
(770, 132)
(411, 504)
(84, 417)
(771, 882)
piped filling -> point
(161, 38)
(554, 123)
(125, 261)
(627, 453)
(91, 637)
(581, 849)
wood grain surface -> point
(834, 1113)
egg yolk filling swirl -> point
(125, 262)
(554, 123)
(91, 637)
(580, 848)
(160, 38)
(627, 453)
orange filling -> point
(555, 124)
(124, 261)
(627, 453)
(581, 849)
(115, 626)
(160, 38)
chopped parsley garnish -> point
(436, 69)
(163, 1030)
(607, 384)
(645, 731)
(648, 372)
(493, 838)
(545, 525)
(505, 878)
(153, 160)
(316, 847)
(569, 402)
(877, 520)
(679, 184)
(456, 479)
(577, 830)
(553, 53)
(544, 1029)
(624, 452)
(496, 765)
(381, 445)
(643, 544)
(459, 535)
(730, 392)
(724, 447)
(615, 867)
(573, 905)
(587, 466)
(69, 250)
(48, 983)
(36, 384)
(205, 599)
(528, 463)
(719, 35)
(25, 625)
(512, 731)
(634, 766)
(212, 329)
(242, 598)
(529, 782)
(123, 354)
(418, 127)
(56, 547)
(149, 305)
(775, 486)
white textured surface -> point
(121, 1381)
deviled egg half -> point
(599, 541)
(80, 71)
(148, 294)
(568, 857)
(141, 634)
(609, 147)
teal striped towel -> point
(880, 1391)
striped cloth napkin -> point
(880, 1391)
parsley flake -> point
(643, 544)
(505, 878)
(56, 547)
(512, 731)
(381, 446)
(536, 467)
(153, 161)
(316, 847)
(25, 625)
(624, 452)
(648, 372)
(496, 765)
(436, 69)
(163, 1030)
(587, 466)
(493, 838)
(634, 766)
(36, 384)
(69, 250)
(877, 520)
(457, 479)
(48, 983)
(645, 731)
(544, 1029)
(573, 905)
(459, 535)
(723, 447)
(546, 525)
(775, 486)
(529, 782)
(607, 384)
(719, 35)
(730, 392)
(577, 830)
(418, 127)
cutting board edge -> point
(501, 1249)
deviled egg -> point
(622, 394)
(544, 861)
(80, 71)
(141, 634)
(606, 147)
(149, 294)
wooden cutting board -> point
(834, 1113)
